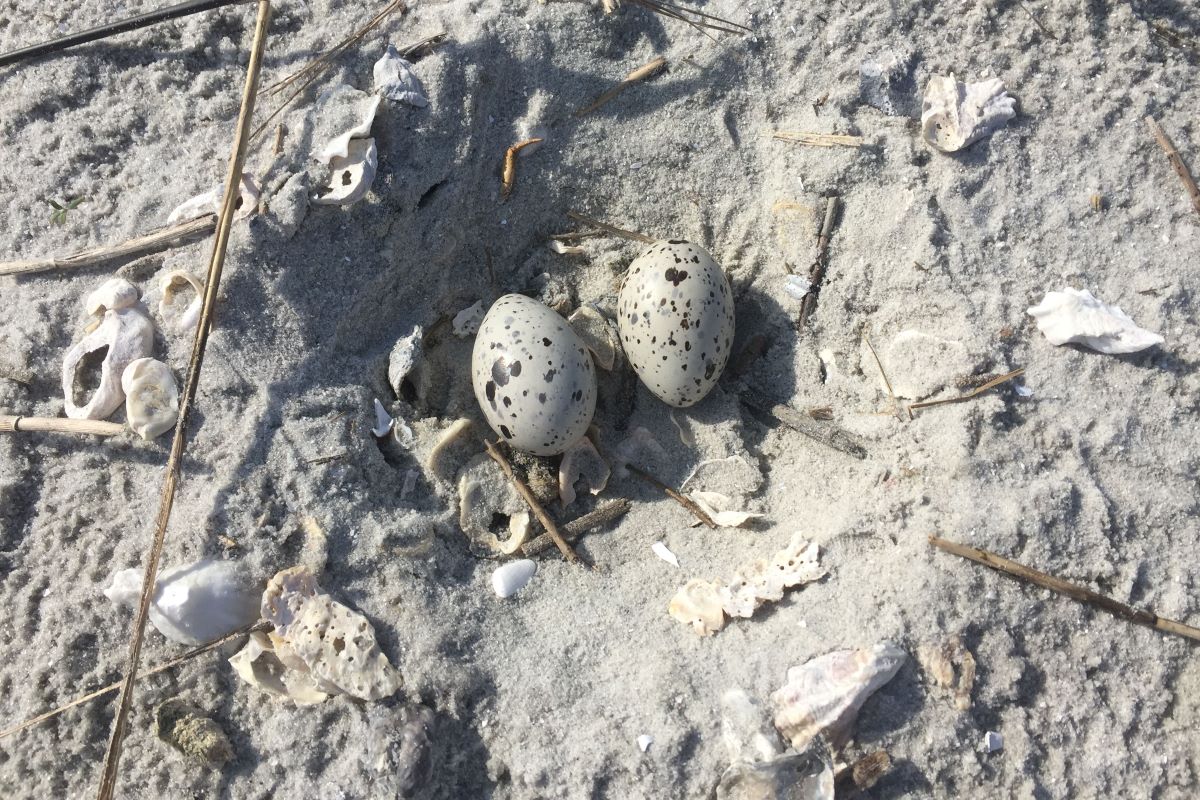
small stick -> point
(112, 687)
(1176, 160)
(882, 374)
(701, 23)
(1038, 22)
(60, 425)
(993, 383)
(615, 231)
(819, 139)
(172, 236)
(602, 515)
(823, 432)
(531, 501)
(1074, 591)
(816, 275)
(683, 500)
(510, 166)
(642, 73)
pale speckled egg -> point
(675, 316)
(533, 376)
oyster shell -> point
(1075, 316)
(351, 175)
(954, 115)
(173, 284)
(151, 397)
(114, 294)
(128, 335)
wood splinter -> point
(678, 497)
(1074, 591)
(601, 515)
(509, 176)
(819, 139)
(1181, 169)
(642, 73)
(816, 273)
(992, 384)
(531, 501)
(94, 427)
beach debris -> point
(641, 446)
(720, 508)
(921, 363)
(113, 295)
(992, 742)
(11, 423)
(939, 660)
(533, 376)
(863, 773)
(819, 139)
(606, 512)
(174, 284)
(151, 397)
(383, 421)
(1022, 390)
(581, 461)
(508, 176)
(806, 775)
(675, 318)
(886, 83)
(816, 272)
(395, 80)
(399, 748)
(823, 695)
(696, 19)
(59, 215)
(466, 322)
(339, 146)
(955, 115)
(510, 578)
(642, 73)
(1076, 317)
(683, 500)
(796, 287)
(745, 729)
(194, 602)
(978, 390)
(123, 335)
(451, 449)
(597, 333)
(1177, 163)
(351, 175)
(704, 603)
(827, 434)
(483, 494)
(494, 452)
(663, 552)
(258, 665)
(210, 202)
(327, 647)
(565, 249)
(644, 741)
(402, 361)
(185, 727)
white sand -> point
(544, 695)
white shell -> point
(114, 294)
(796, 287)
(823, 695)
(129, 335)
(173, 284)
(193, 603)
(1078, 317)
(581, 460)
(466, 322)
(402, 361)
(532, 376)
(954, 114)
(257, 665)
(351, 175)
(720, 508)
(151, 397)
(340, 146)
(992, 742)
(383, 420)
(597, 334)
(664, 552)
(210, 202)
(395, 80)
(510, 578)
(675, 317)
(644, 741)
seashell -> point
(699, 604)
(128, 334)
(257, 664)
(718, 506)
(185, 727)
(444, 458)
(193, 603)
(533, 377)
(333, 643)
(992, 742)
(113, 295)
(796, 287)
(173, 284)
(824, 695)
(151, 397)
(466, 322)
(676, 321)
(383, 421)
(210, 202)
(351, 175)
(745, 730)
(399, 750)
(565, 249)
(510, 578)
(340, 146)
(792, 776)
(395, 80)
(644, 741)
(581, 460)
(664, 552)
(1073, 316)
(520, 525)
(955, 115)
(484, 493)
(939, 661)
(597, 334)
(402, 361)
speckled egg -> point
(533, 376)
(676, 321)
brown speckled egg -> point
(675, 316)
(533, 376)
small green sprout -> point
(59, 216)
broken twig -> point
(819, 139)
(697, 19)
(509, 176)
(642, 73)
(601, 515)
(826, 433)
(531, 501)
(993, 383)
(1176, 160)
(816, 274)
(615, 231)
(1074, 591)
(682, 499)
(883, 374)
(60, 425)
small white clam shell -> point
(664, 552)
(210, 202)
(114, 294)
(383, 420)
(151, 397)
(129, 335)
(395, 80)
(173, 284)
(1074, 316)
(955, 115)
(351, 175)
(510, 578)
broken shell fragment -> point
(350, 175)
(720, 508)
(383, 421)
(125, 335)
(174, 284)
(955, 115)
(661, 550)
(257, 664)
(113, 295)
(791, 776)
(699, 604)
(340, 146)
(402, 361)
(824, 695)
(151, 397)
(210, 202)
(448, 452)
(581, 461)
(596, 332)
(1076, 317)
(186, 728)
(395, 80)
(511, 578)
(466, 322)
(483, 495)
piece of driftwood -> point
(1181, 169)
(603, 514)
(212, 284)
(1074, 591)
(170, 236)
(531, 501)
(642, 73)
(816, 273)
(819, 139)
(95, 427)
(683, 500)
(826, 433)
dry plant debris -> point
(819, 139)
(642, 73)
(509, 176)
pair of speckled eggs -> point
(533, 376)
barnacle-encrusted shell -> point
(675, 317)
(954, 114)
(151, 397)
(532, 376)
(1076, 316)
(129, 335)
